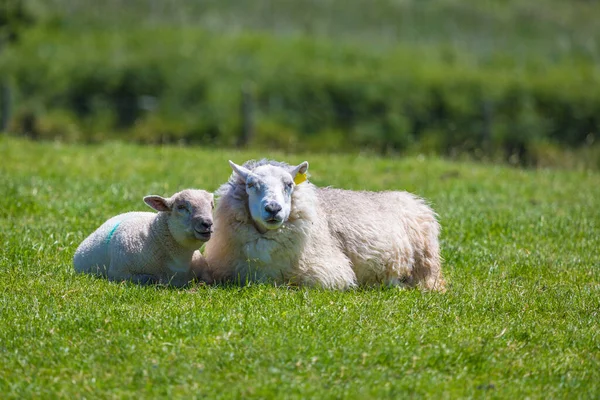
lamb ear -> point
(241, 171)
(301, 168)
(158, 203)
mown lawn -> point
(520, 318)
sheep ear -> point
(158, 203)
(301, 168)
(241, 171)
(299, 171)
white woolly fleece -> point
(333, 239)
(300, 252)
(146, 247)
(390, 237)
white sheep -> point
(273, 225)
(147, 247)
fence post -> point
(486, 128)
(5, 101)
(246, 116)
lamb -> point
(273, 225)
(147, 247)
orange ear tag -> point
(300, 178)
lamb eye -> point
(182, 207)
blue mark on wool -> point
(112, 232)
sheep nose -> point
(204, 226)
(272, 208)
(207, 224)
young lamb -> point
(147, 247)
(273, 225)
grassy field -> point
(520, 318)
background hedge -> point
(501, 77)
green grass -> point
(520, 318)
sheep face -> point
(269, 189)
(190, 214)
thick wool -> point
(390, 237)
(147, 247)
(301, 252)
(333, 238)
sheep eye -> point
(212, 204)
(181, 207)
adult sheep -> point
(273, 225)
(147, 247)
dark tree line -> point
(15, 16)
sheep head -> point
(190, 214)
(269, 188)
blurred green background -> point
(512, 80)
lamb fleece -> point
(143, 247)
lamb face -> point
(269, 190)
(190, 214)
